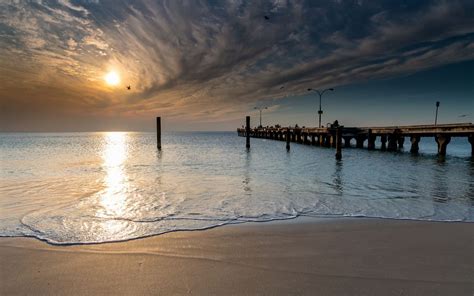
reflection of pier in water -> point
(391, 138)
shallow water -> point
(96, 187)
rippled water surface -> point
(96, 187)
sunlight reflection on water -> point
(113, 198)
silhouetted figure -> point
(296, 126)
(335, 123)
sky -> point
(205, 65)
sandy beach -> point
(328, 257)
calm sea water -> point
(97, 187)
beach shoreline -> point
(335, 256)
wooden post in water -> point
(158, 133)
(247, 131)
(288, 139)
(339, 143)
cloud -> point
(208, 60)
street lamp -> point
(320, 93)
(436, 115)
(260, 109)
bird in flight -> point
(463, 115)
(266, 17)
(129, 87)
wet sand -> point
(329, 257)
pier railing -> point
(391, 137)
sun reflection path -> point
(113, 198)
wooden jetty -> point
(392, 138)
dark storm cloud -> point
(214, 59)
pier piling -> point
(442, 141)
(158, 133)
(360, 139)
(392, 142)
(470, 138)
(339, 143)
(383, 139)
(247, 131)
(347, 142)
(288, 138)
(371, 140)
(415, 140)
(401, 142)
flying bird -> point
(266, 17)
(282, 87)
(129, 87)
(463, 115)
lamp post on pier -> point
(436, 114)
(320, 93)
(260, 109)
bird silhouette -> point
(266, 17)
(129, 87)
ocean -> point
(74, 188)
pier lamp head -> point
(437, 104)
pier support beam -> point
(415, 140)
(443, 141)
(383, 140)
(247, 131)
(313, 140)
(347, 142)
(470, 138)
(321, 140)
(158, 133)
(287, 137)
(339, 143)
(371, 140)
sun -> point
(112, 78)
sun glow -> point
(112, 78)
